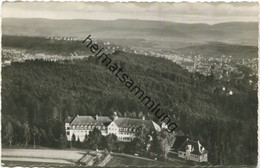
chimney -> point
(77, 115)
(143, 118)
(96, 117)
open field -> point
(63, 158)
(42, 155)
(119, 160)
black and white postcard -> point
(129, 84)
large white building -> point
(124, 128)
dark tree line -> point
(16, 133)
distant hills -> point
(159, 34)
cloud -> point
(223, 9)
(155, 11)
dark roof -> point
(90, 120)
(132, 122)
(178, 142)
(194, 145)
(120, 121)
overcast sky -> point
(176, 12)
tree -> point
(9, 133)
(111, 142)
(44, 138)
(142, 139)
(140, 115)
(133, 114)
(51, 137)
(26, 133)
(94, 138)
(85, 142)
(162, 143)
(35, 133)
(18, 132)
(62, 141)
(78, 143)
(73, 139)
(125, 114)
(119, 114)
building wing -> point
(134, 123)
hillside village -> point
(221, 66)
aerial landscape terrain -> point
(204, 76)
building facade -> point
(192, 150)
(124, 128)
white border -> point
(190, 1)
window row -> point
(103, 127)
(88, 127)
(125, 133)
(112, 129)
(128, 129)
(126, 138)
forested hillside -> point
(44, 93)
(44, 45)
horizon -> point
(133, 20)
(181, 12)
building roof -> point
(178, 142)
(132, 122)
(91, 120)
(120, 121)
(194, 145)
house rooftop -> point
(178, 142)
(106, 120)
(195, 146)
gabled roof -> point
(120, 122)
(194, 145)
(132, 122)
(90, 120)
(156, 127)
(178, 142)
